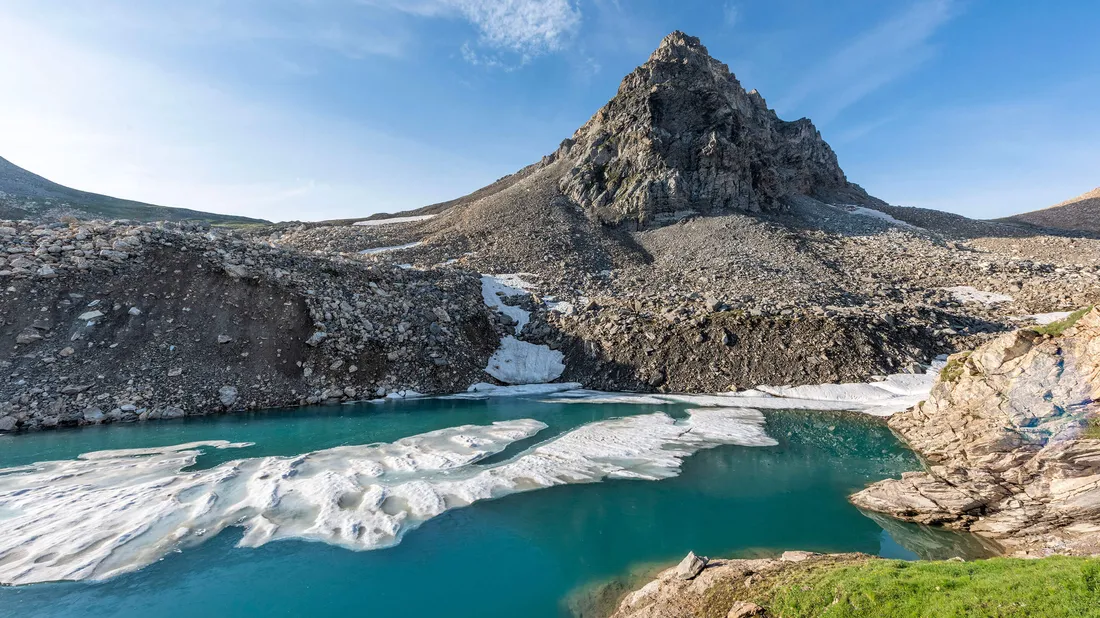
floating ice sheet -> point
(484, 390)
(112, 512)
(894, 394)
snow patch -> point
(392, 221)
(494, 288)
(1045, 319)
(968, 294)
(877, 214)
(114, 512)
(388, 249)
(520, 362)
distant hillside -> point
(1080, 214)
(24, 195)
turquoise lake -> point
(525, 554)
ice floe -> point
(377, 250)
(393, 220)
(884, 398)
(968, 294)
(484, 390)
(520, 362)
(113, 512)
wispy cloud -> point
(525, 27)
(871, 60)
(731, 14)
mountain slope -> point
(1080, 214)
(25, 195)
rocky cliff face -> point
(682, 134)
(1006, 435)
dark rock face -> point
(682, 134)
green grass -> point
(1092, 432)
(1053, 587)
(953, 370)
(1057, 328)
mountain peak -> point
(682, 134)
(681, 40)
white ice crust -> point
(894, 394)
(113, 512)
(484, 390)
(393, 220)
(968, 294)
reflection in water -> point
(929, 542)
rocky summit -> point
(683, 135)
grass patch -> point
(953, 370)
(1055, 329)
(1053, 587)
(1092, 432)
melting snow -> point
(520, 362)
(388, 249)
(392, 221)
(894, 394)
(494, 288)
(967, 294)
(877, 214)
(1044, 319)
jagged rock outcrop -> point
(682, 134)
(1010, 451)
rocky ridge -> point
(1080, 214)
(24, 195)
(1007, 439)
(110, 321)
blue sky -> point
(313, 109)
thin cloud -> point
(872, 60)
(526, 27)
(731, 14)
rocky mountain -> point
(683, 135)
(25, 195)
(1080, 214)
(1011, 434)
